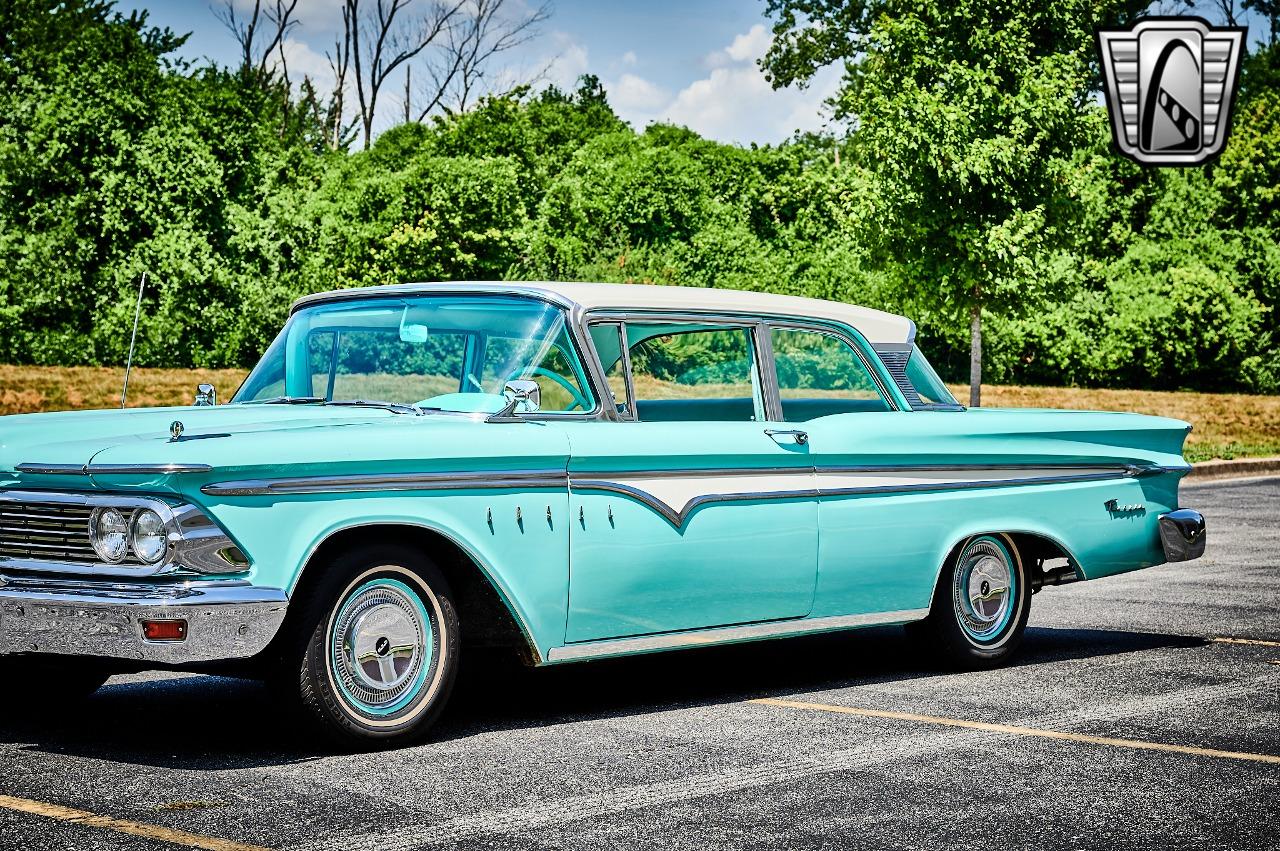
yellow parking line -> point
(133, 828)
(1257, 642)
(1135, 744)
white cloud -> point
(751, 45)
(303, 61)
(568, 63)
(629, 58)
(634, 94)
(734, 102)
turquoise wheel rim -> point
(381, 647)
(985, 590)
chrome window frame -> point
(841, 333)
(752, 324)
(620, 328)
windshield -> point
(436, 352)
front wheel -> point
(376, 648)
(980, 606)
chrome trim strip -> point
(678, 518)
(605, 481)
(227, 620)
(372, 482)
(727, 635)
(53, 469)
(977, 483)
(147, 469)
(110, 469)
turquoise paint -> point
(729, 562)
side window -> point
(693, 375)
(608, 339)
(820, 374)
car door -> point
(876, 543)
(693, 511)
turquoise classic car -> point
(576, 471)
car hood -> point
(142, 435)
(105, 449)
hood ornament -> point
(176, 428)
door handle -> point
(800, 437)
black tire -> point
(356, 654)
(44, 683)
(964, 634)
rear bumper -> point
(225, 620)
(1182, 534)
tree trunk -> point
(975, 356)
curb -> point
(1233, 468)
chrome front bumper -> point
(225, 619)
(1182, 534)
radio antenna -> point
(128, 364)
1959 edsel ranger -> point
(577, 470)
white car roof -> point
(876, 325)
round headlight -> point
(109, 534)
(148, 536)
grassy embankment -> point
(1227, 425)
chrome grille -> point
(47, 531)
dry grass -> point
(1226, 424)
(30, 389)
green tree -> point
(966, 114)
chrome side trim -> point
(608, 481)
(146, 469)
(677, 518)
(226, 620)
(53, 469)
(373, 482)
(727, 635)
(110, 469)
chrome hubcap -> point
(381, 645)
(983, 590)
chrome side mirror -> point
(206, 395)
(523, 395)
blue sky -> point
(690, 63)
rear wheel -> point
(980, 606)
(375, 652)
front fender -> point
(526, 560)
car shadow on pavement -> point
(215, 723)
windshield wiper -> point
(394, 407)
(288, 400)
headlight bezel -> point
(195, 544)
(97, 536)
(161, 532)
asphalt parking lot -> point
(1169, 738)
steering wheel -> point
(578, 400)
